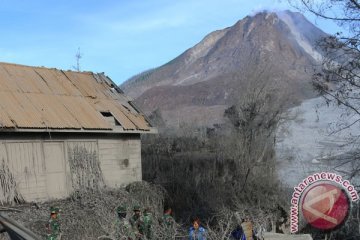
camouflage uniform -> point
(123, 227)
(53, 225)
(137, 224)
(147, 226)
(168, 222)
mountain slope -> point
(271, 47)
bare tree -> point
(339, 83)
(339, 78)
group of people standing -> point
(139, 226)
(243, 231)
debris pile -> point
(89, 214)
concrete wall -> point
(120, 161)
(40, 167)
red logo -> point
(325, 206)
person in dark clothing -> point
(237, 233)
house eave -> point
(116, 130)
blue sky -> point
(118, 37)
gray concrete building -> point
(62, 131)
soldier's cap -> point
(121, 209)
(136, 208)
(54, 209)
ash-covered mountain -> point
(197, 86)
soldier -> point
(124, 230)
(167, 222)
(147, 224)
(53, 225)
(167, 219)
(137, 223)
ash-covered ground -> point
(88, 214)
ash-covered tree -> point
(339, 78)
(254, 120)
(339, 83)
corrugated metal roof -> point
(43, 98)
(104, 105)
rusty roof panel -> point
(36, 83)
(32, 117)
(24, 78)
(84, 113)
(135, 118)
(103, 105)
(6, 82)
(5, 121)
(20, 112)
(128, 120)
(87, 84)
(53, 113)
(57, 82)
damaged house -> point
(62, 131)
